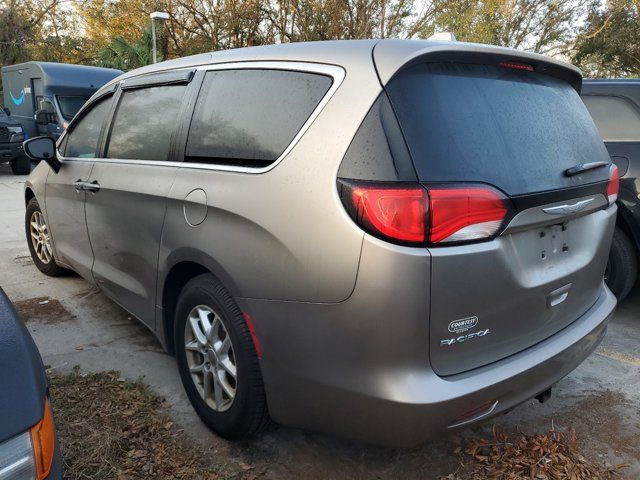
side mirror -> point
(42, 148)
(44, 117)
(7, 111)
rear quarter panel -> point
(282, 234)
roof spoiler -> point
(392, 56)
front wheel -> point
(622, 267)
(217, 360)
(39, 240)
(21, 165)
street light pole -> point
(153, 37)
(154, 15)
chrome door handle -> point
(92, 187)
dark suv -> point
(615, 108)
(11, 138)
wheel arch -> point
(182, 266)
(28, 194)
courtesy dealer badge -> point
(461, 327)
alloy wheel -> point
(210, 358)
(40, 238)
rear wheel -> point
(21, 165)
(39, 240)
(622, 267)
(217, 360)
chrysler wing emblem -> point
(568, 209)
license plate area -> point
(554, 244)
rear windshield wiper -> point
(584, 167)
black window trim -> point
(336, 72)
(177, 77)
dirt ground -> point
(109, 427)
(73, 324)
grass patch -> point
(110, 428)
(514, 456)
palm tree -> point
(125, 55)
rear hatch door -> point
(518, 131)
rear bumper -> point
(9, 151)
(314, 379)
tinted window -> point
(70, 105)
(378, 151)
(249, 117)
(617, 119)
(516, 130)
(82, 141)
(144, 122)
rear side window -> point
(617, 119)
(144, 123)
(82, 140)
(249, 117)
(378, 151)
(518, 131)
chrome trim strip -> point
(337, 73)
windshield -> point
(478, 123)
(69, 105)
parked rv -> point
(45, 96)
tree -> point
(543, 26)
(609, 44)
(103, 21)
(125, 55)
(308, 20)
(16, 33)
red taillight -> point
(396, 213)
(517, 66)
(464, 214)
(410, 214)
(613, 188)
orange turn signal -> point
(43, 440)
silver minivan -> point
(378, 239)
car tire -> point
(622, 267)
(21, 165)
(203, 301)
(41, 255)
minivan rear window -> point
(248, 117)
(516, 130)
